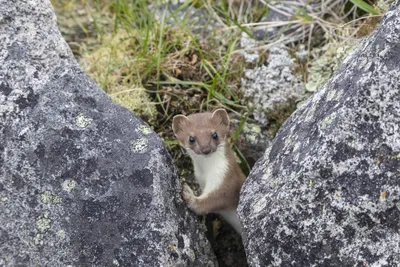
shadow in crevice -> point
(225, 242)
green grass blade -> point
(365, 6)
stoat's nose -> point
(206, 151)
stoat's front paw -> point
(188, 195)
(191, 200)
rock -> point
(272, 86)
(327, 191)
(83, 182)
(328, 59)
(199, 21)
(252, 140)
(108, 64)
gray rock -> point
(83, 182)
(199, 21)
(327, 191)
(252, 141)
(272, 86)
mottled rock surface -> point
(272, 86)
(327, 191)
(83, 182)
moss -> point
(136, 100)
(114, 67)
(82, 121)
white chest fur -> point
(210, 170)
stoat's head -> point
(202, 133)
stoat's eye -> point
(215, 136)
(191, 139)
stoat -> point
(204, 136)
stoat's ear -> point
(178, 123)
(221, 115)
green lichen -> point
(68, 185)
(395, 157)
(252, 128)
(191, 254)
(43, 223)
(137, 101)
(327, 121)
(288, 141)
(38, 239)
(139, 145)
(259, 206)
(252, 131)
(61, 234)
(329, 58)
(114, 65)
(48, 198)
(145, 129)
(82, 121)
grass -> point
(158, 67)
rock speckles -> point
(83, 182)
(327, 191)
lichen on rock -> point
(326, 191)
(74, 189)
(272, 85)
(328, 59)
